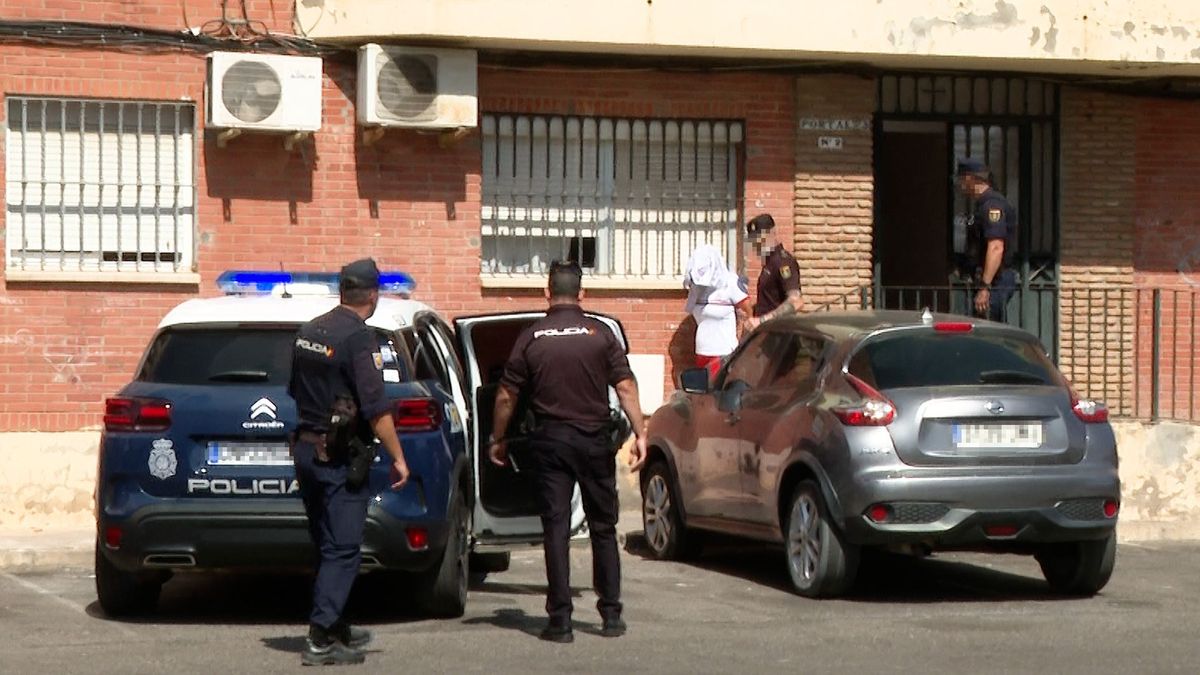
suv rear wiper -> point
(240, 376)
(1009, 377)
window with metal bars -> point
(99, 186)
(626, 198)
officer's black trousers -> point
(336, 518)
(565, 456)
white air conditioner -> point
(416, 87)
(264, 92)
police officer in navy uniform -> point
(335, 363)
(778, 292)
(991, 240)
(565, 363)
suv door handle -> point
(733, 418)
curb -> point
(26, 553)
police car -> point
(195, 473)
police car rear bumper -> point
(238, 536)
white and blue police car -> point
(194, 469)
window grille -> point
(626, 198)
(99, 186)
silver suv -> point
(832, 432)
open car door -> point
(506, 512)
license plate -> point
(227, 453)
(997, 435)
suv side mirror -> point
(694, 380)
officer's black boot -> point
(323, 649)
(614, 626)
(351, 636)
(558, 630)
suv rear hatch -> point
(227, 416)
(971, 396)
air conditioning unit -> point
(416, 87)
(264, 92)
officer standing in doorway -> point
(338, 388)
(565, 363)
(991, 240)
(779, 281)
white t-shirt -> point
(716, 321)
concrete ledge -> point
(47, 551)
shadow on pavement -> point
(882, 577)
(510, 619)
(237, 599)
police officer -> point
(336, 380)
(565, 363)
(779, 281)
(992, 239)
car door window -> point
(798, 360)
(753, 363)
(447, 351)
(423, 359)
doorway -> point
(922, 125)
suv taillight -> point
(137, 414)
(874, 411)
(1088, 410)
(418, 414)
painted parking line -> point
(46, 593)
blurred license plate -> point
(1009, 435)
(249, 454)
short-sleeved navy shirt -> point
(565, 362)
(780, 275)
(336, 355)
(994, 218)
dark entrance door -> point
(912, 247)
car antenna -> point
(285, 293)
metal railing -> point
(1133, 348)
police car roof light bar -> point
(249, 282)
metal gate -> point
(1011, 123)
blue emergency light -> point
(241, 282)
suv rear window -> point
(925, 359)
(237, 354)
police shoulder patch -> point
(994, 215)
(785, 272)
(378, 359)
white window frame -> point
(632, 197)
(100, 189)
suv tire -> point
(123, 594)
(820, 563)
(442, 591)
(1079, 568)
(662, 523)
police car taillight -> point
(137, 414)
(417, 414)
(1088, 410)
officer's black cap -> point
(760, 223)
(359, 274)
(970, 165)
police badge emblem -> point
(785, 272)
(994, 215)
(162, 462)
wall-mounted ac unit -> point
(417, 87)
(264, 92)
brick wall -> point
(1097, 216)
(1167, 251)
(834, 188)
(409, 200)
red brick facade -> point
(409, 200)
(412, 200)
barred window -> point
(626, 198)
(99, 186)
